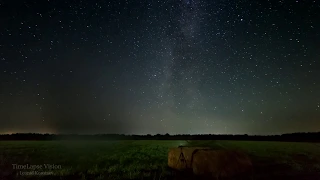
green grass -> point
(148, 159)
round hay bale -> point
(222, 164)
(180, 158)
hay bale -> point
(222, 164)
(181, 162)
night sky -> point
(167, 66)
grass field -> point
(148, 159)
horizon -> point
(158, 134)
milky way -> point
(139, 67)
(184, 75)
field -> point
(147, 159)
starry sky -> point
(169, 66)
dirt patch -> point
(267, 165)
(298, 166)
(303, 159)
(306, 162)
(294, 176)
(272, 168)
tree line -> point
(292, 137)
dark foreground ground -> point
(147, 159)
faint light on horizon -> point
(43, 131)
(8, 132)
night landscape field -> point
(103, 89)
(147, 159)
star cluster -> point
(173, 66)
